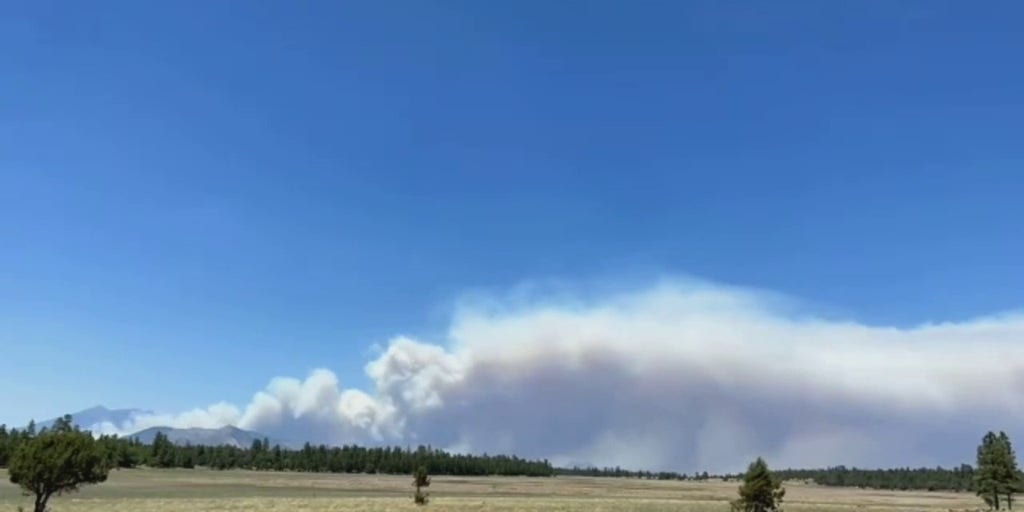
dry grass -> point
(147, 490)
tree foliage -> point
(163, 453)
(118, 452)
(618, 472)
(997, 475)
(420, 480)
(956, 479)
(57, 461)
(761, 490)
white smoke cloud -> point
(681, 376)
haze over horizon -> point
(668, 236)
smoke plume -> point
(680, 376)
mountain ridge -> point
(97, 415)
(228, 435)
(224, 436)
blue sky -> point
(197, 196)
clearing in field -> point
(145, 490)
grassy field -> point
(143, 490)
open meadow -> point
(151, 490)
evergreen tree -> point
(997, 474)
(5, 446)
(1010, 475)
(420, 479)
(57, 461)
(63, 424)
(761, 491)
(163, 453)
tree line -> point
(996, 463)
(122, 452)
(345, 459)
(959, 479)
(903, 479)
(618, 472)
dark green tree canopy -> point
(761, 490)
(997, 475)
(57, 461)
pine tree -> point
(997, 474)
(761, 491)
(421, 479)
(986, 478)
(162, 452)
(5, 446)
(1010, 482)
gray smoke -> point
(679, 376)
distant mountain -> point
(231, 436)
(99, 414)
(120, 418)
